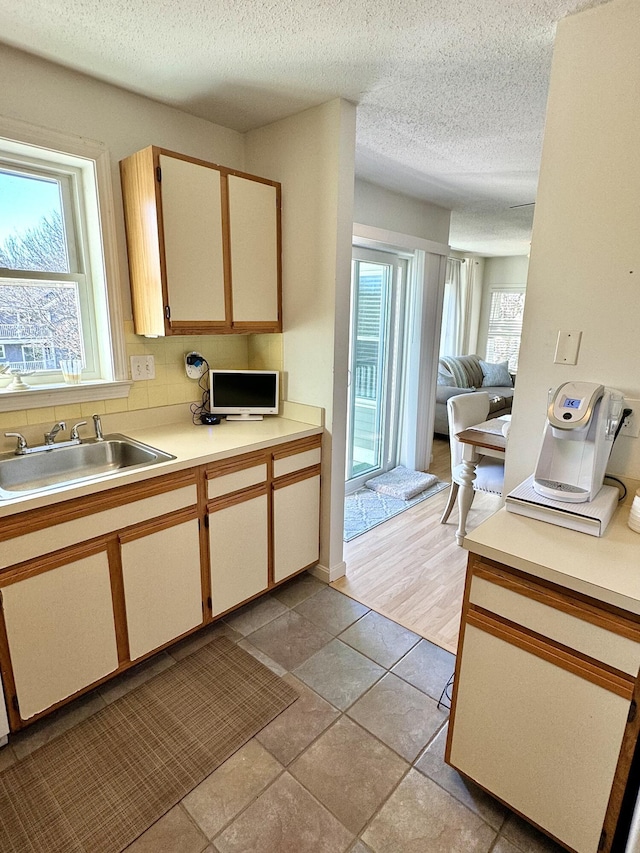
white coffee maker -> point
(582, 418)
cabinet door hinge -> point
(158, 174)
(167, 312)
(1, 600)
(603, 840)
(209, 603)
(633, 709)
(206, 522)
(14, 702)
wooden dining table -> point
(484, 439)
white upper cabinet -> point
(204, 245)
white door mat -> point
(402, 483)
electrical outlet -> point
(142, 367)
(631, 427)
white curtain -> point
(459, 321)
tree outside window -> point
(40, 316)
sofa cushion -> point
(495, 374)
(443, 392)
(465, 369)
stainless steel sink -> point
(64, 466)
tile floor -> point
(355, 764)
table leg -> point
(465, 493)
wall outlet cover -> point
(195, 365)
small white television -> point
(245, 395)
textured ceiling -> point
(451, 94)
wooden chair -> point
(463, 411)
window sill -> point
(37, 397)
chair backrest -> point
(464, 410)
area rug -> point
(366, 509)
(97, 787)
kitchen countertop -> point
(606, 568)
(191, 445)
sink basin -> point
(64, 466)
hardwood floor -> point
(410, 568)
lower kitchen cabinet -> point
(162, 583)
(239, 551)
(543, 704)
(60, 630)
(296, 534)
(94, 584)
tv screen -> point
(244, 394)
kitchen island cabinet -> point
(546, 683)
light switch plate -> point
(567, 347)
(142, 367)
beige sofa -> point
(463, 374)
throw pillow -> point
(495, 374)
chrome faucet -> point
(50, 437)
(98, 427)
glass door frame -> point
(390, 384)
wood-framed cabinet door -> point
(192, 228)
(239, 548)
(538, 728)
(254, 252)
(296, 523)
(162, 581)
(60, 628)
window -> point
(505, 326)
(56, 247)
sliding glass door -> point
(374, 364)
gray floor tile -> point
(419, 817)
(359, 847)
(173, 833)
(298, 725)
(339, 673)
(399, 714)
(350, 772)
(286, 819)
(298, 589)
(254, 615)
(380, 639)
(331, 610)
(223, 794)
(504, 846)
(427, 667)
(290, 639)
(431, 763)
(527, 838)
(7, 757)
(273, 665)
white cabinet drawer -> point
(67, 533)
(235, 481)
(565, 625)
(296, 462)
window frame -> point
(19, 140)
(501, 290)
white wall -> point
(47, 95)
(584, 271)
(312, 154)
(382, 208)
(508, 271)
